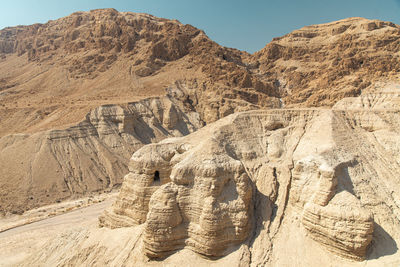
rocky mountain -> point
(283, 187)
(224, 185)
(54, 73)
(321, 64)
(73, 92)
(49, 166)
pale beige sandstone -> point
(139, 185)
(190, 208)
(57, 72)
(91, 61)
(328, 188)
(206, 203)
(88, 157)
(334, 218)
(345, 229)
(297, 159)
(206, 208)
(323, 181)
(382, 96)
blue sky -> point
(246, 25)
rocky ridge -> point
(58, 72)
(109, 57)
(238, 189)
(91, 156)
(320, 64)
(209, 180)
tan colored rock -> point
(59, 71)
(294, 167)
(201, 222)
(206, 203)
(335, 219)
(345, 228)
(145, 177)
(243, 187)
(88, 157)
(206, 208)
(318, 65)
(238, 189)
(74, 64)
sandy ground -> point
(79, 216)
(18, 243)
(48, 211)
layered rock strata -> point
(212, 182)
(206, 208)
(334, 218)
(57, 72)
(318, 65)
(90, 156)
(206, 203)
(334, 172)
(323, 180)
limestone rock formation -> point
(345, 229)
(334, 218)
(74, 64)
(208, 212)
(287, 187)
(144, 178)
(206, 207)
(88, 157)
(74, 95)
(242, 178)
(320, 64)
(59, 71)
(385, 99)
(109, 57)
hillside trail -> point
(34, 235)
(76, 217)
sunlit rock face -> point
(332, 216)
(84, 158)
(236, 180)
(206, 208)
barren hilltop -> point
(54, 73)
(225, 154)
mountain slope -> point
(320, 64)
(53, 76)
(73, 64)
(291, 187)
(50, 166)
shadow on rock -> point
(382, 244)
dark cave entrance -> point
(156, 176)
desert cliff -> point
(322, 180)
(55, 74)
(289, 156)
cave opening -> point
(156, 176)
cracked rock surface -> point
(237, 181)
(269, 187)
